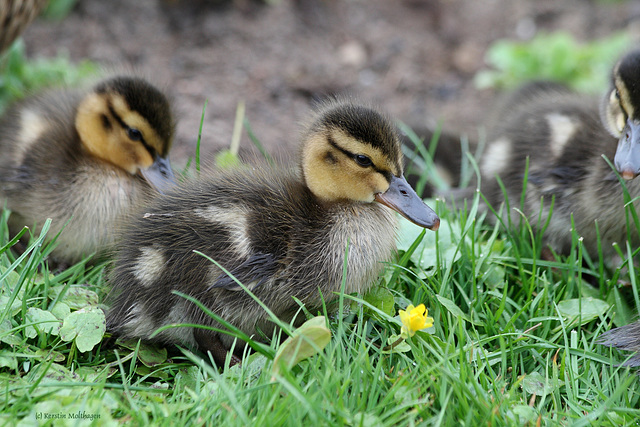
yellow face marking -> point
(617, 113)
(621, 106)
(354, 146)
(332, 175)
(612, 115)
(625, 100)
(134, 120)
(110, 142)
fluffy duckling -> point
(282, 233)
(621, 114)
(84, 159)
(562, 137)
(14, 18)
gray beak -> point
(627, 159)
(159, 175)
(403, 199)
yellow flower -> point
(414, 319)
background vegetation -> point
(514, 340)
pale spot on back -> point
(32, 125)
(234, 221)
(496, 158)
(136, 322)
(149, 266)
(562, 129)
(178, 315)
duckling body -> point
(556, 138)
(15, 16)
(564, 137)
(282, 233)
(78, 158)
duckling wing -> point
(252, 273)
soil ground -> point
(414, 58)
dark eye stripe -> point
(121, 122)
(362, 160)
(351, 155)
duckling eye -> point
(134, 134)
(362, 160)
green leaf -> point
(86, 326)
(92, 373)
(43, 321)
(623, 312)
(8, 360)
(493, 275)
(535, 383)
(60, 310)
(309, 339)
(381, 298)
(453, 308)
(402, 347)
(146, 371)
(76, 296)
(586, 309)
(525, 413)
(10, 281)
(48, 354)
(57, 373)
(426, 254)
(553, 56)
(7, 334)
(149, 354)
(152, 355)
(16, 305)
(362, 419)
(189, 378)
(251, 367)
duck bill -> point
(159, 175)
(401, 198)
(627, 159)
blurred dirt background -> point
(414, 58)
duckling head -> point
(127, 122)
(352, 153)
(620, 113)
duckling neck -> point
(366, 233)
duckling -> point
(621, 115)
(563, 137)
(281, 232)
(84, 158)
(15, 16)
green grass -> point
(514, 339)
(20, 76)
(514, 342)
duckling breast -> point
(366, 233)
